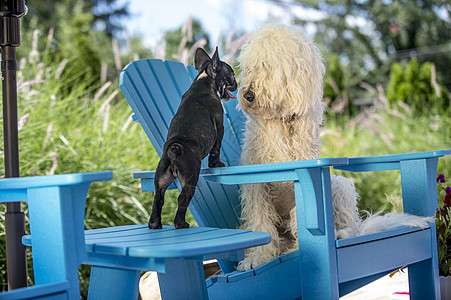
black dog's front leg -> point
(188, 175)
(214, 160)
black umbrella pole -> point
(16, 262)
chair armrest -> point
(273, 172)
(418, 174)
(15, 189)
(388, 162)
(54, 180)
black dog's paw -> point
(216, 164)
(181, 225)
(155, 225)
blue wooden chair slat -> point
(156, 107)
(167, 86)
(197, 246)
(143, 235)
(236, 118)
(128, 231)
(114, 230)
(191, 70)
(137, 90)
(263, 282)
(180, 76)
(51, 291)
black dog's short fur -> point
(195, 131)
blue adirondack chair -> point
(56, 208)
(323, 268)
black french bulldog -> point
(195, 131)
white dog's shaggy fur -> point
(281, 93)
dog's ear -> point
(214, 64)
(201, 58)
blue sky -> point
(151, 18)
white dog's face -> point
(282, 75)
(263, 93)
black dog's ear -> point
(213, 66)
(201, 58)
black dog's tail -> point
(174, 151)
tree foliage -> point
(79, 31)
(106, 14)
(417, 86)
(369, 35)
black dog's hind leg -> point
(163, 178)
(213, 159)
(188, 176)
(185, 197)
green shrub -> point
(418, 87)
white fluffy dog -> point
(281, 93)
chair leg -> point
(420, 198)
(316, 235)
(109, 283)
(423, 280)
(183, 279)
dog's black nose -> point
(249, 96)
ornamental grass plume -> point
(443, 225)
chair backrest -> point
(154, 89)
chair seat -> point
(176, 254)
(193, 242)
(140, 242)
